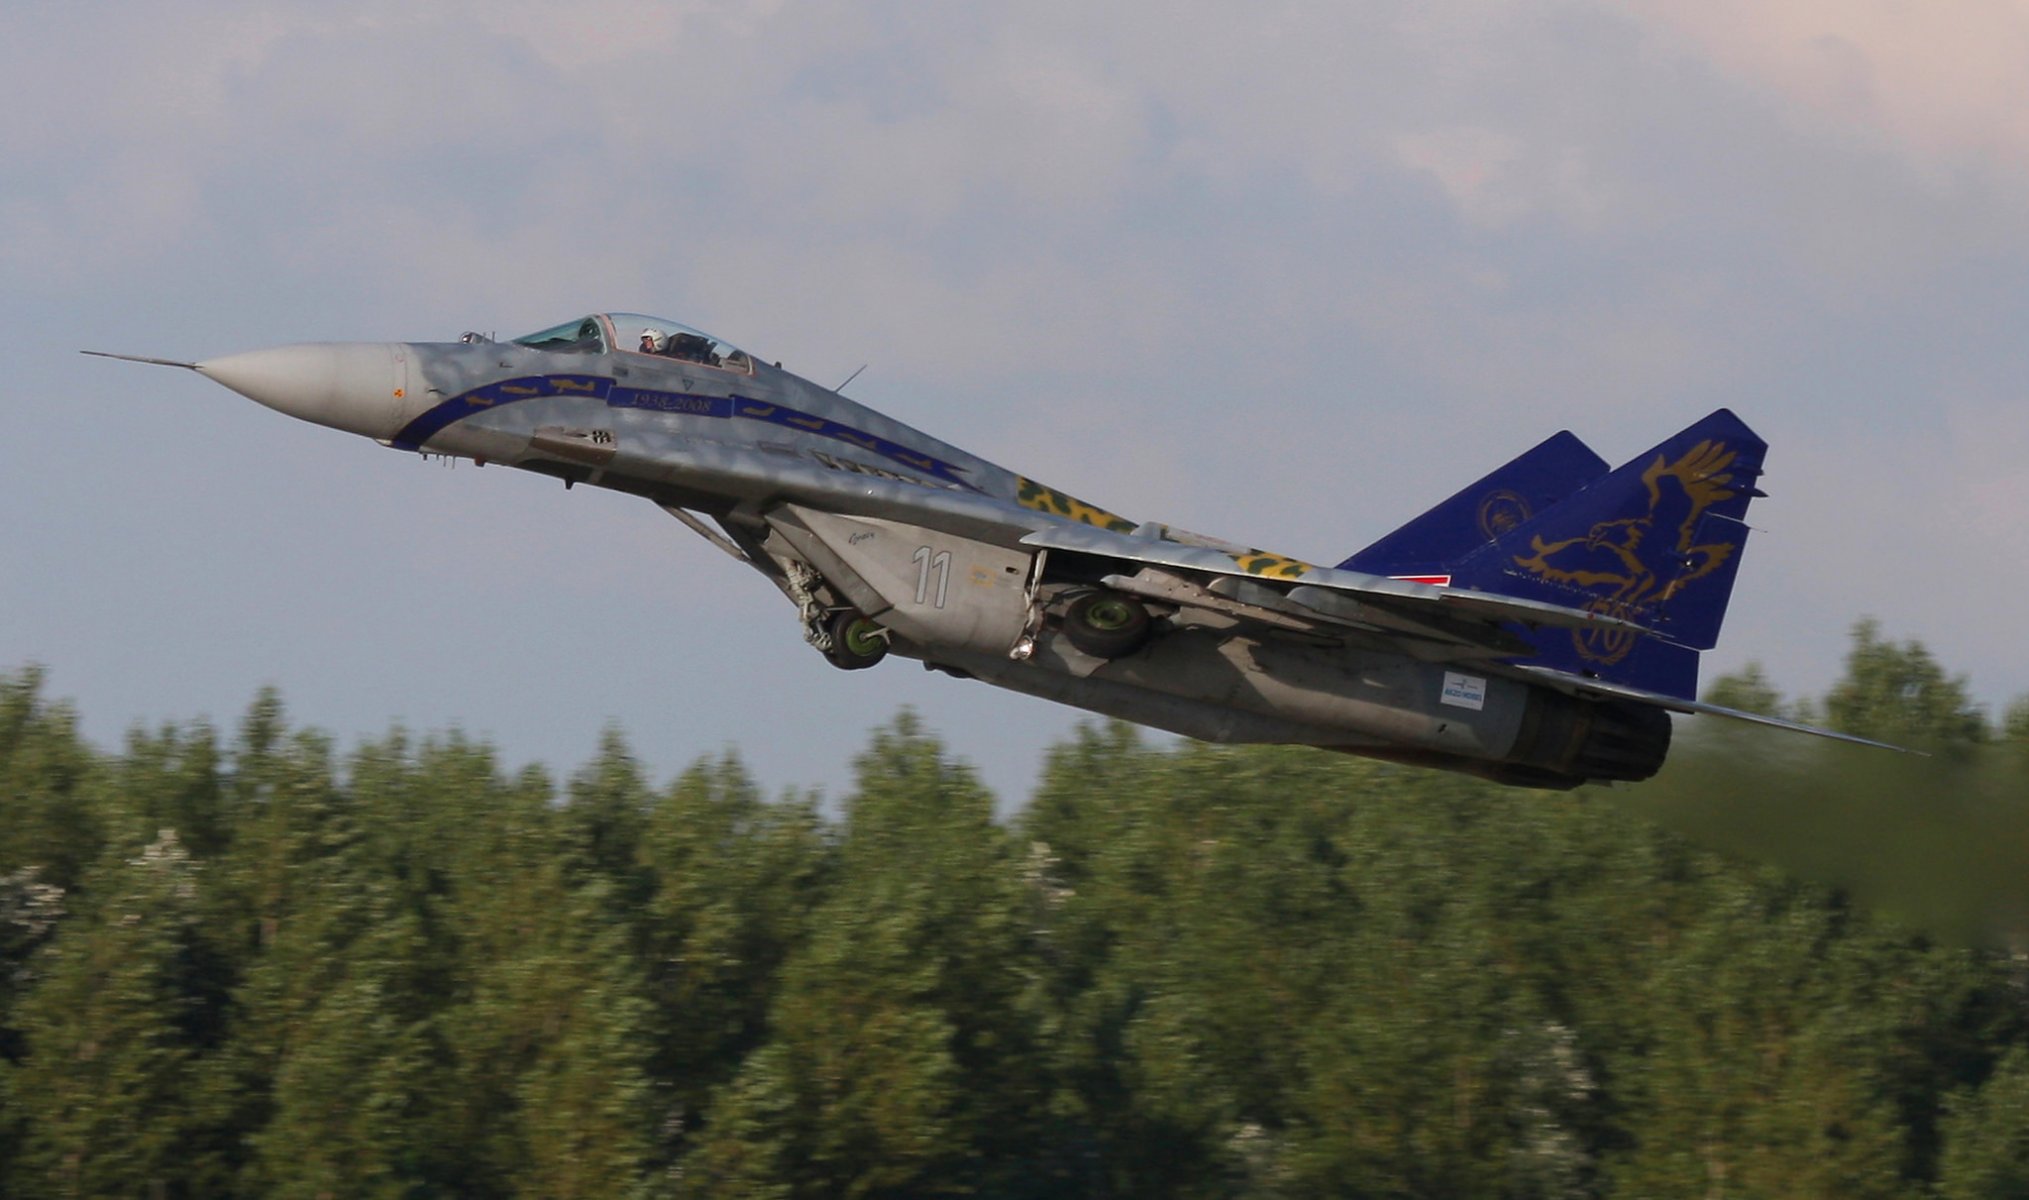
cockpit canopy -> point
(638, 334)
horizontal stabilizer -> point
(1579, 685)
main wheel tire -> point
(1107, 624)
(856, 642)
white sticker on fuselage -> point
(1464, 691)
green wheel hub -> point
(862, 638)
(1110, 615)
(856, 641)
(1107, 624)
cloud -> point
(1494, 179)
(1939, 84)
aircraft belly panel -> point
(940, 589)
(1422, 704)
(1190, 716)
(1371, 697)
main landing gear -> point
(1103, 624)
(1107, 624)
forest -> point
(247, 963)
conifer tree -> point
(903, 1056)
(604, 812)
(361, 1096)
(298, 893)
(47, 824)
(104, 1088)
(584, 1124)
(553, 1041)
(734, 882)
(50, 831)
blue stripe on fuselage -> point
(791, 418)
(493, 395)
(689, 404)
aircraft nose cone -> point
(354, 386)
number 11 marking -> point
(925, 560)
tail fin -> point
(1657, 542)
(1478, 513)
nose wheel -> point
(856, 642)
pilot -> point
(651, 342)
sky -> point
(1282, 273)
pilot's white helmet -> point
(653, 338)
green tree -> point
(361, 1096)
(1748, 690)
(104, 1087)
(602, 819)
(2015, 725)
(903, 1052)
(50, 832)
(1744, 1084)
(1987, 1136)
(585, 1124)
(734, 881)
(552, 1047)
(1185, 971)
(507, 928)
(1899, 693)
(298, 891)
(47, 822)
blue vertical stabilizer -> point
(1656, 542)
(1482, 511)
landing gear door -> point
(941, 590)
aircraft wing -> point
(1287, 588)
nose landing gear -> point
(856, 642)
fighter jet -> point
(1536, 628)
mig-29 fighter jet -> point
(1536, 628)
